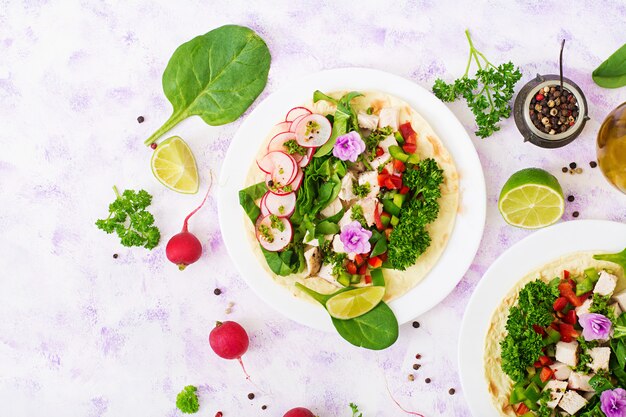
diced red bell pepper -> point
(396, 182)
(359, 259)
(375, 262)
(537, 364)
(409, 147)
(398, 165)
(565, 274)
(383, 256)
(407, 132)
(368, 279)
(351, 268)
(555, 326)
(568, 333)
(382, 178)
(545, 360)
(546, 374)
(584, 297)
(567, 290)
(379, 151)
(377, 220)
(362, 269)
(539, 330)
(560, 304)
(522, 409)
(404, 189)
(570, 317)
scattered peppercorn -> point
(572, 165)
(575, 214)
(570, 198)
(140, 119)
(217, 291)
(578, 170)
(251, 396)
(115, 255)
(416, 366)
(264, 407)
(416, 324)
(153, 145)
(451, 391)
(564, 169)
(593, 164)
(427, 380)
(561, 106)
(418, 356)
(411, 377)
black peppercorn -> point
(115, 255)
(251, 396)
(593, 164)
(572, 165)
(570, 198)
(564, 169)
(217, 291)
(140, 119)
(416, 324)
(575, 214)
(427, 380)
(264, 407)
(451, 391)
(416, 366)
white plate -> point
(525, 256)
(468, 228)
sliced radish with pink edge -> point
(281, 166)
(280, 128)
(281, 205)
(297, 182)
(271, 238)
(313, 130)
(265, 164)
(263, 206)
(280, 190)
(306, 159)
(277, 143)
(295, 112)
(292, 128)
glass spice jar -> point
(547, 116)
(611, 147)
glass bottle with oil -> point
(611, 147)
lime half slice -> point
(532, 198)
(354, 303)
(174, 166)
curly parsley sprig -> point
(131, 221)
(487, 95)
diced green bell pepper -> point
(413, 159)
(592, 274)
(399, 138)
(399, 199)
(394, 221)
(344, 279)
(553, 337)
(584, 286)
(517, 395)
(397, 153)
(391, 208)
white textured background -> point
(82, 334)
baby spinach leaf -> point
(612, 72)
(617, 258)
(345, 119)
(283, 263)
(320, 298)
(376, 330)
(325, 227)
(216, 76)
(247, 197)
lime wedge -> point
(174, 166)
(354, 303)
(532, 198)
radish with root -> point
(299, 412)
(184, 248)
(230, 341)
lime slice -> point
(174, 166)
(354, 303)
(532, 198)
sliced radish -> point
(306, 159)
(313, 130)
(281, 166)
(281, 205)
(277, 189)
(292, 128)
(271, 238)
(295, 112)
(278, 142)
(297, 182)
(265, 164)
(280, 128)
(263, 206)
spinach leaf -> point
(247, 197)
(216, 76)
(617, 258)
(376, 330)
(612, 72)
(325, 227)
(380, 247)
(320, 298)
(345, 119)
(284, 263)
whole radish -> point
(299, 412)
(230, 341)
(184, 248)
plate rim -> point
(479, 307)
(349, 78)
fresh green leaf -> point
(376, 330)
(320, 298)
(617, 258)
(612, 72)
(284, 263)
(600, 383)
(380, 247)
(326, 227)
(355, 410)
(488, 95)
(247, 198)
(345, 119)
(131, 221)
(187, 400)
(216, 76)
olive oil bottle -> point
(611, 147)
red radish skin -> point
(299, 412)
(184, 248)
(230, 341)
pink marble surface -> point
(82, 334)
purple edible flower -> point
(613, 402)
(355, 238)
(595, 326)
(349, 146)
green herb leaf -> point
(617, 258)
(376, 330)
(216, 76)
(612, 72)
(187, 400)
(345, 119)
(247, 196)
(355, 410)
(131, 221)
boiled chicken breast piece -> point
(333, 208)
(567, 353)
(600, 358)
(606, 284)
(389, 116)
(572, 402)
(346, 218)
(371, 178)
(326, 273)
(369, 206)
(620, 298)
(561, 371)
(367, 121)
(584, 308)
(557, 389)
(579, 382)
(387, 142)
(347, 193)
(313, 258)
